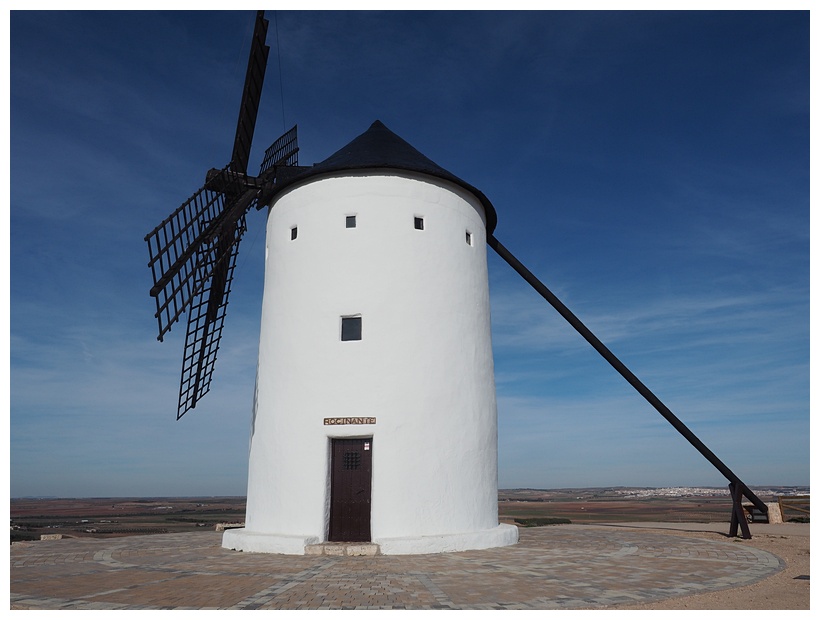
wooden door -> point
(351, 467)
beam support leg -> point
(738, 516)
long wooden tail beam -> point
(736, 483)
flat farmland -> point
(586, 507)
(111, 517)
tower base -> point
(502, 535)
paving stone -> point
(558, 567)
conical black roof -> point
(378, 147)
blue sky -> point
(651, 168)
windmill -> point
(360, 246)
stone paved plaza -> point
(559, 567)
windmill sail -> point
(192, 253)
(283, 152)
(251, 95)
(206, 318)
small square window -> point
(350, 221)
(469, 238)
(418, 222)
(351, 328)
(293, 233)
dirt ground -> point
(788, 589)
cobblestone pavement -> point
(560, 567)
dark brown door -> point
(352, 463)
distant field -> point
(110, 517)
(591, 506)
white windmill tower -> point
(375, 413)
